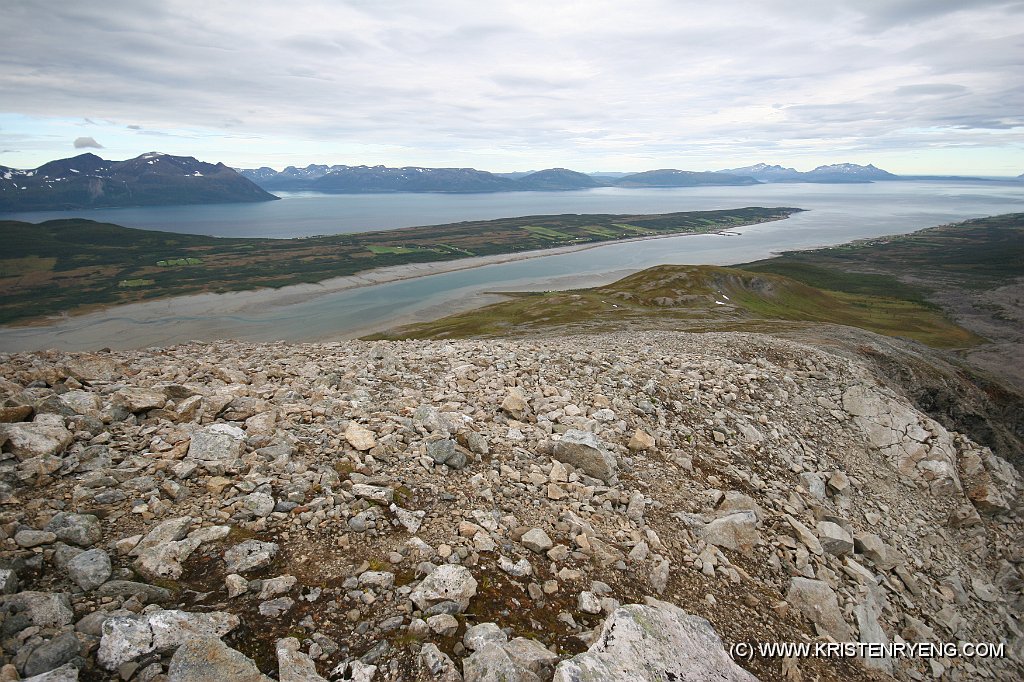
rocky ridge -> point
(617, 506)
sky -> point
(912, 86)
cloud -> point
(547, 84)
(87, 143)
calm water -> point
(837, 213)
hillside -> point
(87, 181)
(628, 502)
(68, 265)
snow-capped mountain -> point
(88, 181)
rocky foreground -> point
(613, 507)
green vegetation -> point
(69, 265)
(885, 285)
(713, 297)
(179, 262)
(394, 249)
(546, 232)
(976, 254)
(133, 283)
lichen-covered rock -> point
(125, 638)
(653, 643)
(737, 531)
(445, 583)
(90, 569)
(249, 556)
(43, 609)
(41, 438)
(211, 660)
(586, 452)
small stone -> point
(641, 440)
(360, 437)
(536, 540)
(443, 624)
(90, 569)
(34, 538)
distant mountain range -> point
(835, 173)
(357, 179)
(87, 181)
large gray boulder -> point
(83, 530)
(653, 643)
(445, 583)
(737, 531)
(125, 638)
(249, 556)
(44, 437)
(586, 452)
(817, 602)
(43, 609)
(90, 569)
(216, 446)
(211, 660)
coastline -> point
(60, 329)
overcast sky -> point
(913, 86)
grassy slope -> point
(975, 254)
(68, 265)
(882, 285)
(708, 295)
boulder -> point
(250, 556)
(217, 444)
(65, 673)
(43, 609)
(211, 660)
(435, 665)
(490, 663)
(485, 633)
(164, 561)
(125, 638)
(170, 530)
(818, 604)
(41, 438)
(536, 540)
(90, 569)
(445, 583)
(360, 437)
(641, 440)
(652, 643)
(293, 665)
(585, 451)
(737, 531)
(515, 405)
(83, 530)
(52, 654)
(141, 399)
(834, 539)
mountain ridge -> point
(151, 179)
(380, 178)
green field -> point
(71, 265)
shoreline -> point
(237, 302)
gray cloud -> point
(87, 143)
(561, 82)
